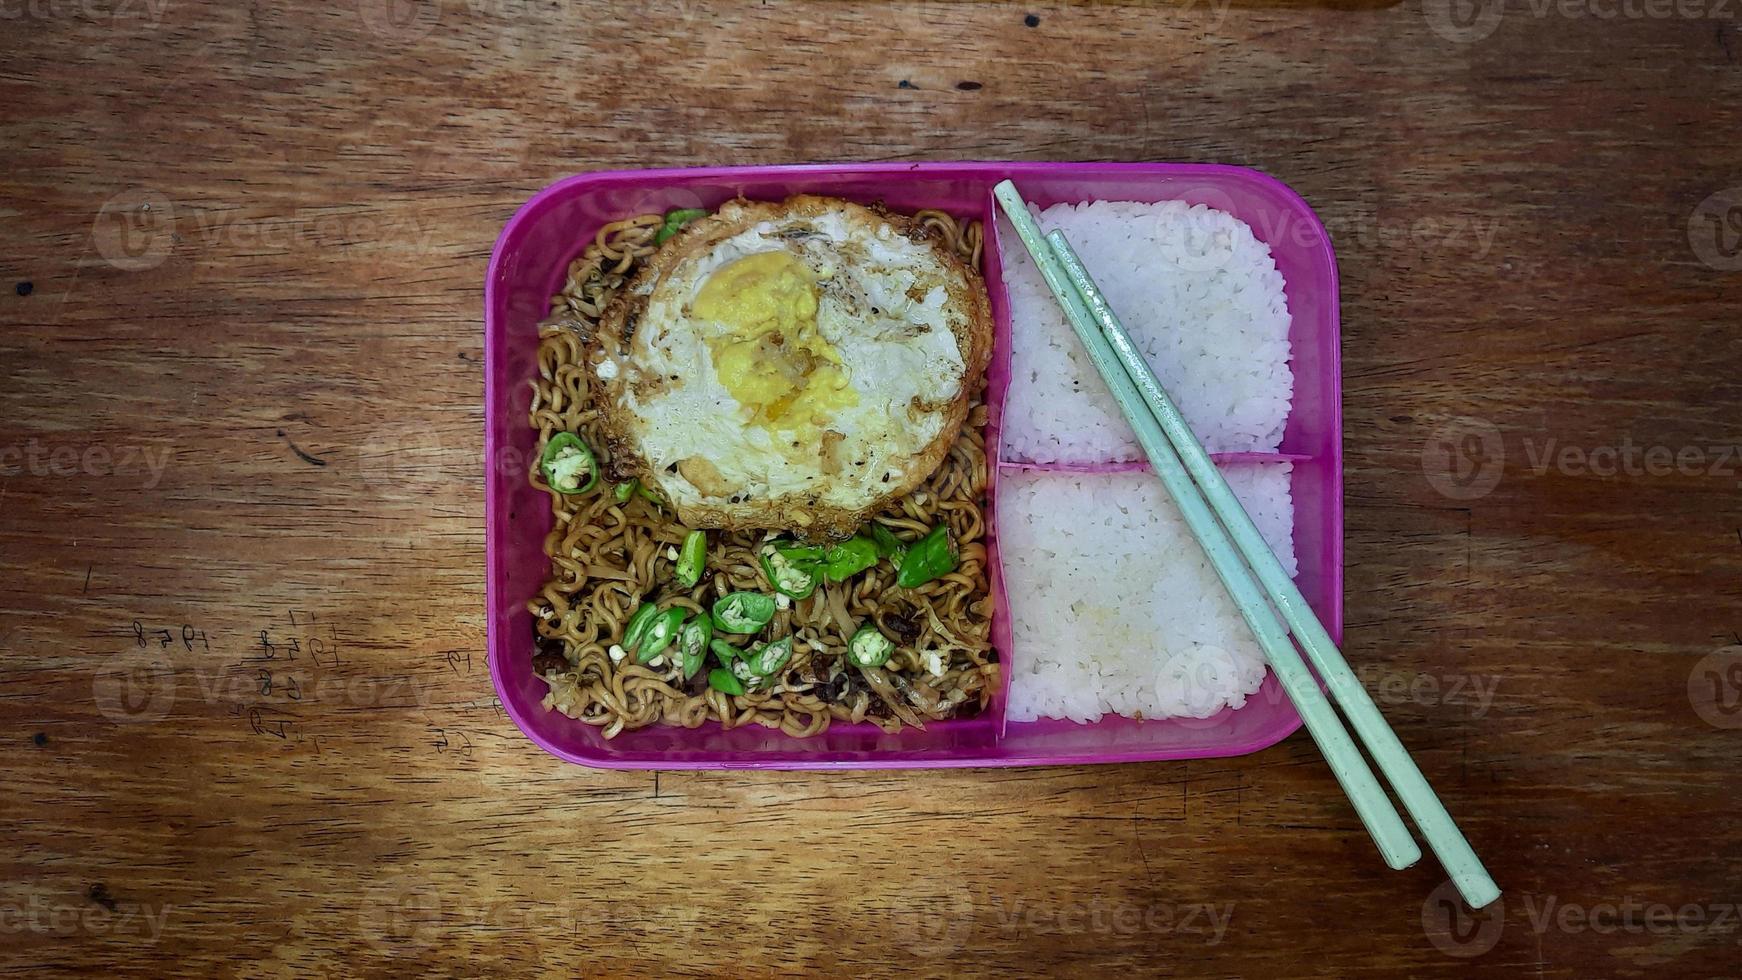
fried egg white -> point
(792, 365)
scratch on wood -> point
(305, 457)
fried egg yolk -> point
(770, 355)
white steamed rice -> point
(1204, 302)
(1115, 607)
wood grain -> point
(261, 399)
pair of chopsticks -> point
(1256, 580)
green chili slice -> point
(675, 220)
(568, 465)
(623, 491)
(661, 633)
(743, 612)
(801, 554)
(849, 558)
(740, 669)
(724, 651)
(869, 647)
(692, 560)
(722, 680)
(770, 657)
(931, 557)
(639, 621)
(790, 568)
(692, 643)
(888, 545)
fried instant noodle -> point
(608, 557)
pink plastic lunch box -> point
(528, 265)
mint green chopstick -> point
(1395, 845)
(1442, 833)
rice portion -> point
(1114, 606)
(1204, 303)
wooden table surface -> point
(241, 406)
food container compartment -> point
(527, 266)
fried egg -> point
(794, 365)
